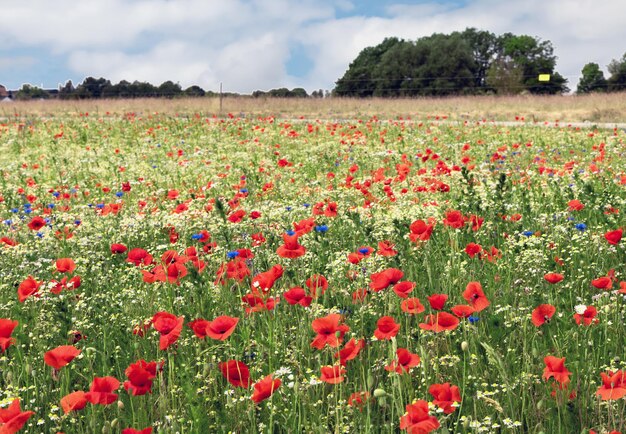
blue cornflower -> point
(8, 222)
(27, 210)
(39, 234)
(77, 222)
(196, 236)
(100, 206)
(243, 190)
(119, 194)
(50, 205)
(15, 210)
(527, 233)
(364, 250)
(56, 194)
(321, 228)
(581, 227)
(232, 254)
(306, 205)
(290, 232)
(288, 208)
(473, 319)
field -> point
(196, 273)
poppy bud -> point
(540, 404)
(464, 346)
(120, 405)
(616, 360)
(114, 423)
(379, 393)
(106, 429)
(535, 352)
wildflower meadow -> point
(200, 274)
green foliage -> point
(472, 61)
(31, 92)
(617, 68)
(592, 79)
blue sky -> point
(264, 44)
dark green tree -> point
(298, 92)
(617, 80)
(92, 87)
(68, 91)
(358, 80)
(592, 79)
(169, 89)
(534, 57)
(194, 91)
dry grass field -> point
(597, 108)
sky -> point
(262, 44)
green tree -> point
(92, 87)
(592, 79)
(534, 57)
(617, 80)
(505, 77)
(31, 92)
(358, 80)
(484, 46)
(68, 91)
(194, 91)
(169, 89)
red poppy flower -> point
(358, 399)
(553, 277)
(304, 226)
(28, 287)
(235, 269)
(613, 385)
(575, 205)
(169, 326)
(60, 356)
(439, 322)
(236, 373)
(445, 396)
(412, 306)
(437, 301)
(221, 327)
(402, 289)
(6, 329)
(315, 282)
(329, 331)
(331, 209)
(359, 295)
(296, 295)
(65, 265)
(199, 327)
(265, 281)
(587, 317)
(36, 223)
(386, 328)
(404, 362)
(386, 248)
(333, 374)
(101, 390)
(117, 248)
(473, 249)
(477, 222)
(416, 419)
(542, 314)
(360, 254)
(12, 419)
(8, 241)
(351, 349)
(265, 388)
(385, 278)
(237, 216)
(137, 431)
(613, 237)
(254, 303)
(140, 375)
(462, 310)
(475, 296)
(74, 401)
(139, 257)
(555, 368)
(420, 231)
(290, 249)
(602, 283)
(454, 219)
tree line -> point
(92, 88)
(466, 63)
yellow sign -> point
(544, 77)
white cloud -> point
(246, 43)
